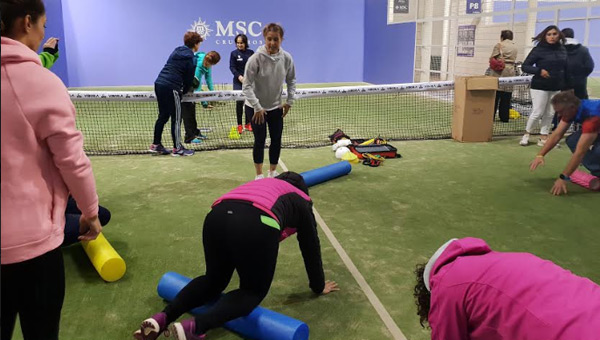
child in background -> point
(204, 64)
(237, 65)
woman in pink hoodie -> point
(42, 162)
(468, 291)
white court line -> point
(379, 308)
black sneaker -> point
(158, 149)
(182, 152)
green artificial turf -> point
(387, 219)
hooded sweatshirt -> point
(42, 157)
(579, 63)
(264, 77)
(478, 294)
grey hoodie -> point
(264, 77)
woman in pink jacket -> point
(42, 162)
(467, 291)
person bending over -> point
(467, 291)
(584, 143)
(175, 78)
(242, 232)
(204, 64)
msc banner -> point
(401, 6)
(403, 11)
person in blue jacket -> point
(204, 64)
(237, 64)
(585, 143)
(175, 78)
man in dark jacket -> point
(579, 64)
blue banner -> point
(473, 6)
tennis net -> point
(122, 122)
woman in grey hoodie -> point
(264, 76)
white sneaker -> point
(525, 140)
(261, 176)
(273, 174)
(541, 142)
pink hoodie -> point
(263, 194)
(42, 157)
(477, 293)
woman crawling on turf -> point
(242, 232)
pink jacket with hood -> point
(480, 294)
(42, 157)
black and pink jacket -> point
(292, 209)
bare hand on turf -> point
(559, 187)
(536, 162)
(330, 286)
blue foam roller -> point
(261, 323)
(320, 175)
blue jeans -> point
(72, 215)
(591, 160)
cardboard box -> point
(473, 116)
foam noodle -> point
(323, 174)
(105, 259)
(261, 323)
(586, 180)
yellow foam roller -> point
(108, 263)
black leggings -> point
(35, 290)
(274, 121)
(234, 238)
(239, 111)
(169, 106)
(239, 106)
